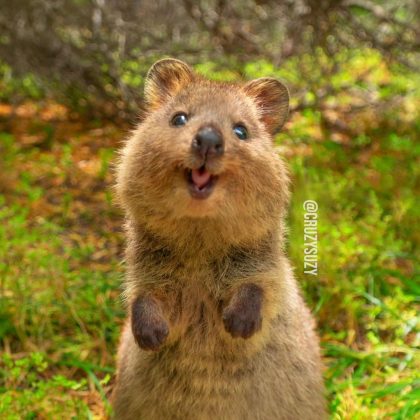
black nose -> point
(208, 142)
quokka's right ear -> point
(272, 100)
(164, 80)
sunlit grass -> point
(61, 251)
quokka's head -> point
(205, 148)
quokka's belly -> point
(179, 384)
(191, 380)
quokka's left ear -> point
(272, 100)
(164, 80)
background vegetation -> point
(71, 75)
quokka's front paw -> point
(149, 327)
(242, 316)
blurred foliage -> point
(94, 53)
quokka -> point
(217, 327)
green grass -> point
(61, 249)
(60, 308)
(366, 296)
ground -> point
(61, 270)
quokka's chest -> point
(195, 310)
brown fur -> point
(209, 287)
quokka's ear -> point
(164, 80)
(272, 100)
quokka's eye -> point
(240, 131)
(179, 119)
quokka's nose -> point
(208, 142)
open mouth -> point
(200, 182)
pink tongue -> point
(200, 177)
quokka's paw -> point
(242, 316)
(149, 327)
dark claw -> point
(149, 328)
(242, 317)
